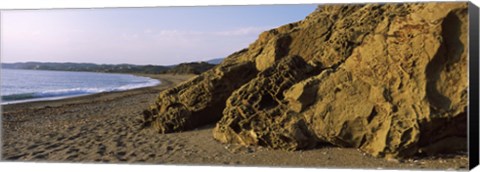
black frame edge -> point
(473, 108)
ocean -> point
(32, 85)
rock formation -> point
(389, 79)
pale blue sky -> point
(162, 36)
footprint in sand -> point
(120, 142)
(53, 146)
(72, 157)
(60, 148)
(37, 152)
(16, 157)
(61, 138)
(98, 138)
(74, 137)
(101, 149)
(122, 153)
(152, 155)
(121, 156)
(40, 156)
(71, 128)
(32, 147)
(73, 150)
(169, 148)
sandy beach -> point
(107, 128)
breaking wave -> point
(71, 92)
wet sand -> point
(106, 128)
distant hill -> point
(215, 61)
(183, 68)
(190, 68)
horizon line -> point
(206, 61)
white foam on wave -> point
(73, 92)
(149, 83)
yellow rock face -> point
(389, 79)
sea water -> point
(33, 85)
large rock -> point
(388, 79)
(201, 100)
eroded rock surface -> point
(389, 79)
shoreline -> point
(107, 128)
(59, 98)
(166, 81)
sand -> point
(106, 128)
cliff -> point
(389, 79)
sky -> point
(154, 35)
